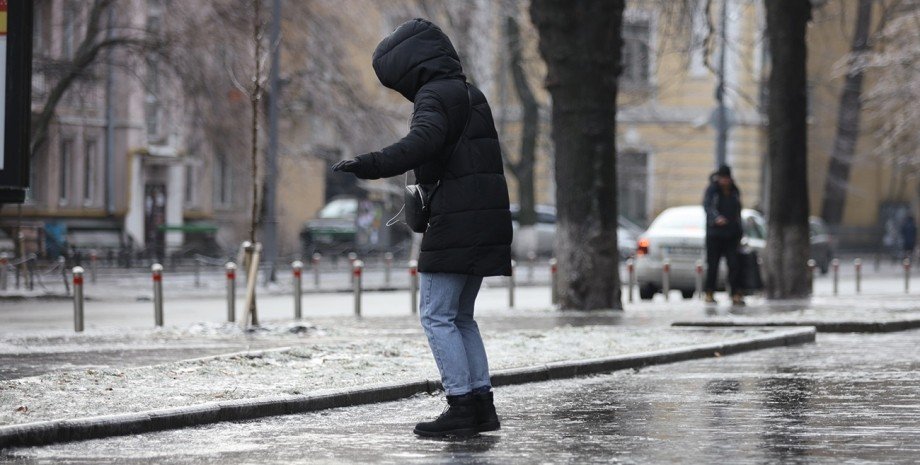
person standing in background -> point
(908, 236)
(722, 202)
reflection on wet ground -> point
(848, 398)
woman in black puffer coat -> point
(469, 233)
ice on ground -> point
(311, 367)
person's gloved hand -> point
(361, 166)
(347, 166)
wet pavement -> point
(849, 398)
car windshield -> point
(340, 208)
(680, 218)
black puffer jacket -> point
(470, 228)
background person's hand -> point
(721, 221)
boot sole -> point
(489, 427)
(462, 432)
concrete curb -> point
(821, 326)
(48, 432)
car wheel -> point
(687, 294)
(647, 291)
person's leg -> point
(734, 271)
(713, 255)
(472, 340)
(440, 302)
(481, 384)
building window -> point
(224, 182)
(699, 32)
(636, 39)
(64, 171)
(89, 172)
(69, 29)
(632, 186)
(38, 28)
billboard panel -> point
(15, 97)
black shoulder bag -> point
(418, 196)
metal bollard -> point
(835, 266)
(315, 262)
(858, 265)
(4, 271)
(531, 262)
(511, 284)
(630, 273)
(553, 269)
(352, 258)
(413, 285)
(297, 269)
(356, 269)
(387, 267)
(197, 272)
(812, 264)
(230, 268)
(93, 257)
(906, 264)
(78, 299)
(157, 271)
(699, 279)
(666, 279)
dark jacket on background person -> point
(909, 233)
(470, 227)
(716, 203)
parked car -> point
(347, 224)
(627, 233)
(679, 235)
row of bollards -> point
(357, 282)
(811, 264)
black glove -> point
(347, 166)
(361, 166)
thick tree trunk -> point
(580, 42)
(838, 171)
(787, 239)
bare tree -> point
(890, 98)
(583, 85)
(523, 168)
(97, 39)
(848, 116)
(787, 237)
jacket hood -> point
(416, 53)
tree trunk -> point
(523, 168)
(838, 171)
(580, 42)
(787, 238)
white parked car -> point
(678, 234)
(545, 233)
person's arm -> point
(709, 205)
(426, 139)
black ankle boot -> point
(486, 418)
(459, 419)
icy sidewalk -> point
(315, 368)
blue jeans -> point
(446, 310)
